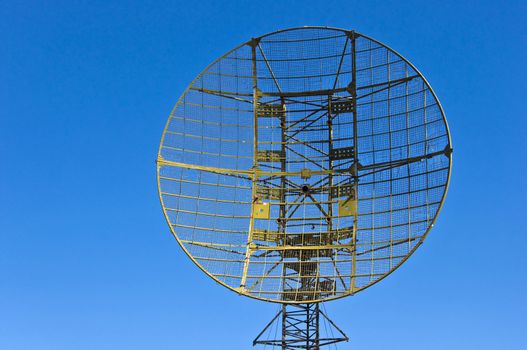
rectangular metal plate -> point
(266, 110)
(270, 156)
(342, 191)
(341, 153)
(348, 207)
(338, 107)
(261, 210)
(269, 193)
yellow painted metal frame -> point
(256, 173)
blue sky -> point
(86, 258)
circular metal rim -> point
(410, 253)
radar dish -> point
(304, 165)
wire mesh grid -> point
(304, 165)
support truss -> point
(301, 328)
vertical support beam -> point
(425, 90)
(308, 328)
(330, 178)
(391, 172)
(317, 325)
(284, 326)
(408, 155)
(330, 163)
(355, 174)
(283, 167)
(256, 96)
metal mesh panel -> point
(304, 165)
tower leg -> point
(300, 325)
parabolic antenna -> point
(304, 165)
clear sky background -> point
(86, 258)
